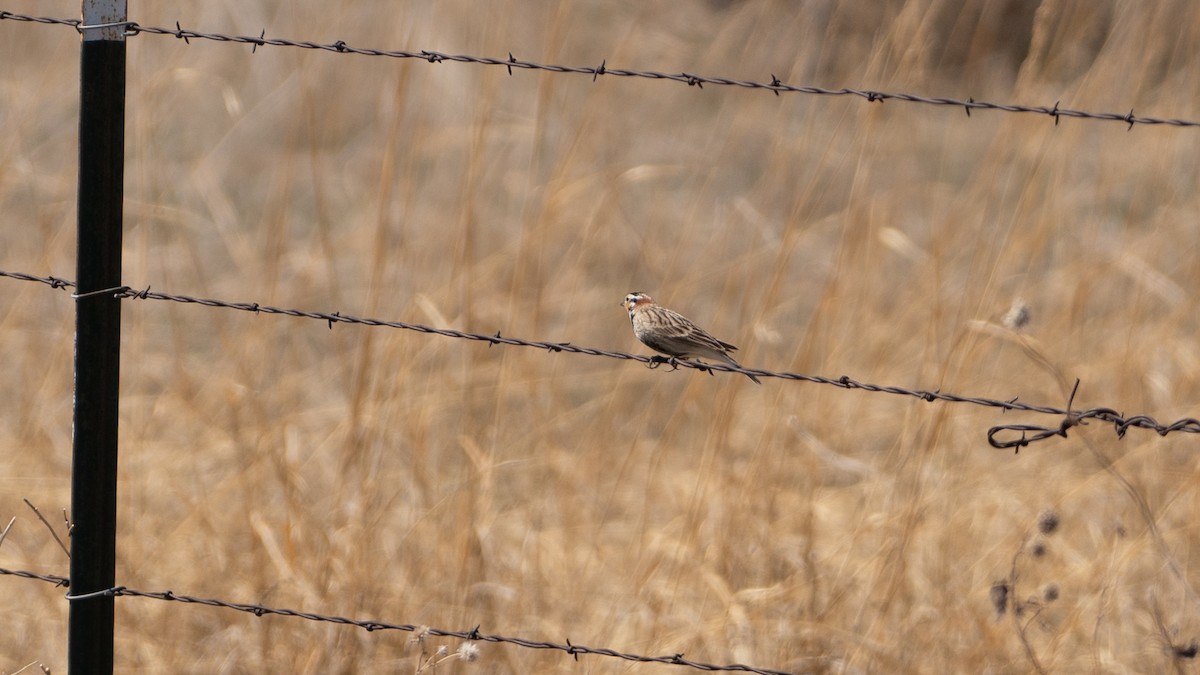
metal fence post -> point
(97, 335)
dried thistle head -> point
(468, 651)
(1037, 549)
(1048, 522)
(999, 596)
(418, 637)
(1017, 316)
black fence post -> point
(97, 336)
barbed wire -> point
(998, 436)
(774, 85)
(472, 635)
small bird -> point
(673, 334)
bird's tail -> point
(729, 359)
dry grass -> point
(374, 473)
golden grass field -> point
(384, 474)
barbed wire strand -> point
(774, 85)
(997, 435)
(473, 634)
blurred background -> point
(384, 474)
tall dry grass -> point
(375, 473)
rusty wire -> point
(1000, 436)
(774, 85)
(473, 634)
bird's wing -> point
(728, 347)
(681, 327)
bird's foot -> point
(656, 361)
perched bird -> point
(671, 333)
